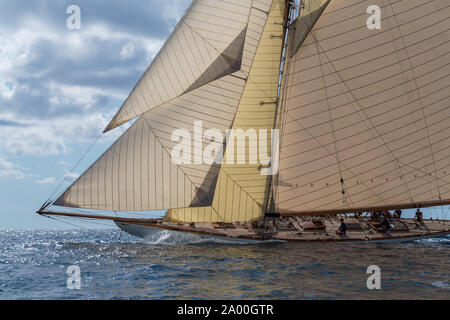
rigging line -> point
(349, 91)
(270, 193)
(330, 114)
(310, 27)
(68, 223)
(280, 122)
(420, 97)
(95, 223)
(285, 112)
(51, 199)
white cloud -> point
(70, 176)
(53, 136)
(50, 180)
(47, 103)
(128, 51)
(10, 171)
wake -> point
(166, 237)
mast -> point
(288, 17)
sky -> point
(60, 87)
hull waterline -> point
(152, 233)
(157, 230)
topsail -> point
(207, 44)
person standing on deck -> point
(398, 214)
(385, 224)
(419, 216)
(342, 229)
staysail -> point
(366, 119)
(138, 173)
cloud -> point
(128, 51)
(50, 180)
(70, 176)
(59, 87)
(42, 137)
(10, 171)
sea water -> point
(34, 265)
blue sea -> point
(33, 265)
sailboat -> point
(352, 98)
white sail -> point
(366, 117)
(207, 44)
(138, 173)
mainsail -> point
(366, 118)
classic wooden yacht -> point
(350, 98)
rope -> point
(52, 197)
